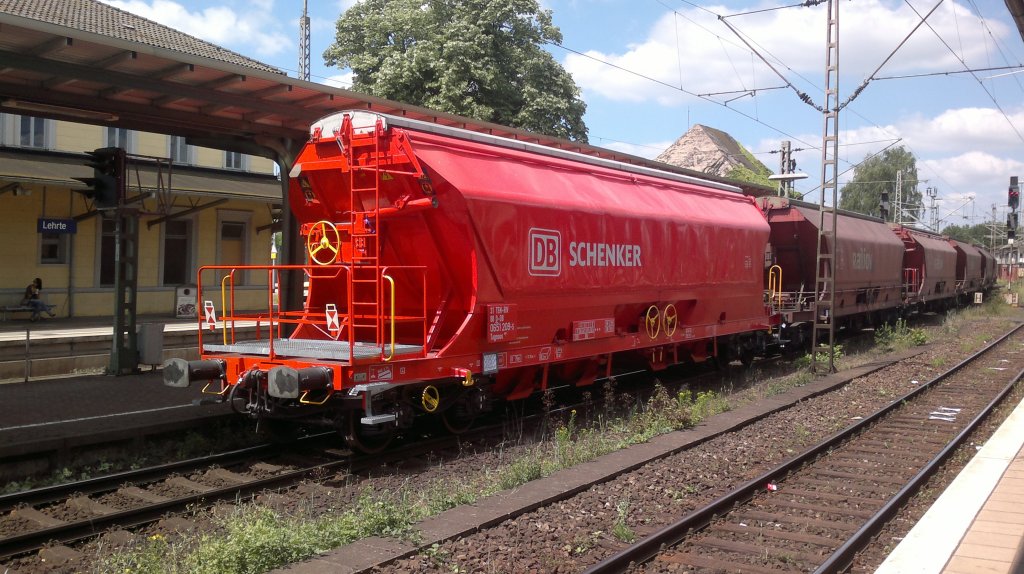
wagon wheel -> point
(460, 416)
(457, 419)
(323, 242)
(369, 439)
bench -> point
(20, 309)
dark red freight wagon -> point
(868, 262)
(449, 268)
(989, 268)
(929, 269)
(969, 271)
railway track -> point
(78, 510)
(816, 510)
(73, 512)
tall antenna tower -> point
(304, 43)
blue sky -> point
(966, 129)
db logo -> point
(545, 252)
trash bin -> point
(185, 297)
(151, 343)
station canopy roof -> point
(88, 62)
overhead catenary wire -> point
(757, 50)
(980, 83)
(812, 83)
(683, 90)
(804, 97)
(680, 88)
(867, 80)
(995, 41)
(806, 4)
(1019, 67)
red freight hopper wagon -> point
(929, 269)
(867, 256)
(449, 268)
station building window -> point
(234, 160)
(53, 248)
(33, 132)
(177, 252)
(180, 152)
(26, 131)
(119, 137)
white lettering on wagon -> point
(586, 254)
(544, 253)
(862, 261)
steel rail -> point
(650, 546)
(113, 481)
(78, 530)
(71, 531)
(843, 556)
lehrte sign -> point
(50, 225)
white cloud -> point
(254, 30)
(343, 81)
(698, 53)
(961, 152)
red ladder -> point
(365, 288)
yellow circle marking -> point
(671, 319)
(431, 398)
(323, 237)
(652, 321)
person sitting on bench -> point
(34, 299)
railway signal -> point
(1013, 197)
(107, 185)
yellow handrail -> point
(224, 303)
(392, 281)
(775, 282)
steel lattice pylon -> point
(304, 44)
(824, 333)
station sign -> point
(57, 226)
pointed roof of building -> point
(711, 151)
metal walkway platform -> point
(310, 349)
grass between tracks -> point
(252, 538)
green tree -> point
(478, 58)
(877, 174)
(979, 234)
